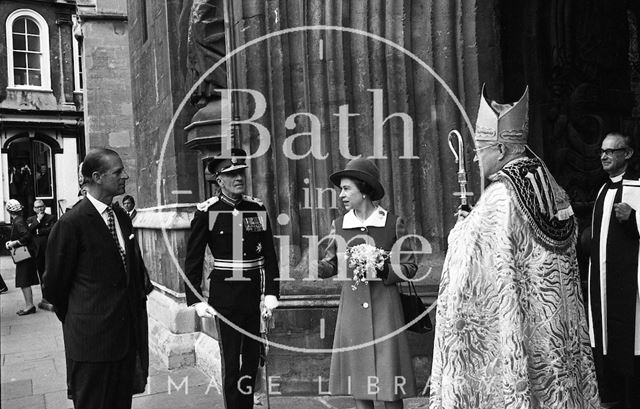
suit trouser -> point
(239, 374)
(102, 385)
(615, 386)
(40, 253)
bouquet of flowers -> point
(365, 259)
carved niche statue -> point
(203, 23)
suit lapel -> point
(102, 230)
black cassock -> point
(621, 282)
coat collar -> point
(377, 219)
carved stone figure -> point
(202, 21)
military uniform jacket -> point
(213, 224)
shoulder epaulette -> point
(252, 199)
(205, 205)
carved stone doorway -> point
(581, 61)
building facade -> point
(41, 104)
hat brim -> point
(378, 190)
(233, 168)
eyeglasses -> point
(610, 152)
(38, 207)
(485, 147)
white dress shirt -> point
(102, 210)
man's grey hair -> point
(514, 148)
(625, 138)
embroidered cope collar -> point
(535, 198)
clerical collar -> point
(229, 200)
(617, 179)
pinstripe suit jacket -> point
(101, 305)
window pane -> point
(19, 60)
(18, 25)
(35, 78)
(34, 60)
(32, 27)
(34, 43)
(19, 42)
(20, 77)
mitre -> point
(503, 122)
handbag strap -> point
(412, 288)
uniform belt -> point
(245, 265)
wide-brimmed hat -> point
(225, 165)
(364, 170)
(13, 206)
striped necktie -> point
(114, 235)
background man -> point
(95, 278)
(43, 181)
(234, 296)
(511, 330)
(40, 225)
(129, 206)
(614, 304)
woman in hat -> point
(26, 273)
(370, 369)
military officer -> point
(237, 230)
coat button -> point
(221, 232)
(365, 305)
(363, 229)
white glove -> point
(271, 302)
(204, 310)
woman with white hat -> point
(375, 362)
(26, 272)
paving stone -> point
(20, 357)
(57, 400)
(196, 398)
(51, 382)
(28, 369)
(28, 402)
(16, 389)
(19, 344)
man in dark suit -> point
(227, 222)
(39, 226)
(96, 279)
(129, 206)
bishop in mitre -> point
(511, 330)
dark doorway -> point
(31, 173)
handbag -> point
(19, 254)
(413, 307)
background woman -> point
(26, 274)
(382, 371)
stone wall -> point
(108, 108)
